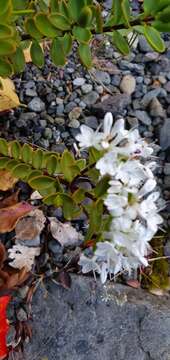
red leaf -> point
(133, 283)
(4, 326)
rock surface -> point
(95, 322)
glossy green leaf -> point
(57, 52)
(51, 199)
(4, 4)
(53, 165)
(95, 219)
(102, 186)
(33, 174)
(85, 18)
(15, 149)
(3, 147)
(160, 26)
(3, 162)
(54, 6)
(44, 25)
(11, 164)
(7, 47)
(18, 60)
(75, 7)
(164, 15)
(6, 69)
(70, 208)
(154, 38)
(81, 163)
(41, 182)
(67, 43)
(26, 153)
(37, 157)
(99, 19)
(81, 34)
(85, 55)
(5, 31)
(31, 29)
(121, 43)
(37, 54)
(21, 171)
(59, 21)
(78, 196)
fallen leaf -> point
(8, 97)
(30, 226)
(2, 254)
(157, 291)
(133, 283)
(16, 279)
(23, 256)
(9, 216)
(4, 326)
(7, 180)
(64, 233)
(10, 200)
(64, 279)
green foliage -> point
(62, 22)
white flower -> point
(148, 211)
(115, 203)
(107, 164)
(131, 173)
(88, 137)
(112, 135)
(88, 264)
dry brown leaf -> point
(30, 226)
(23, 256)
(8, 97)
(2, 254)
(9, 216)
(7, 180)
(133, 283)
(10, 200)
(64, 233)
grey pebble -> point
(36, 105)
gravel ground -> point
(59, 100)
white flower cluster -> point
(131, 199)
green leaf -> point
(94, 155)
(31, 29)
(164, 15)
(57, 53)
(41, 182)
(15, 149)
(54, 6)
(70, 208)
(33, 174)
(85, 55)
(85, 18)
(44, 25)
(154, 38)
(66, 43)
(26, 153)
(78, 196)
(160, 26)
(7, 47)
(3, 147)
(102, 186)
(18, 60)
(21, 171)
(11, 164)
(99, 19)
(51, 199)
(149, 6)
(95, 219)
(37, 54)
(5, 68)
(4, 4)
(59, 21)
(3, 162)
(121, 43)
(53, 165)
(125, 5)
(81, 163)
(81, 34)
(37, 157)
(5, 31)
(75, 8)
(68, 166)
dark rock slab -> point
(114, 104)
(165, 135)
(95, 322)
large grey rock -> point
(114, 104)
(95, 322)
